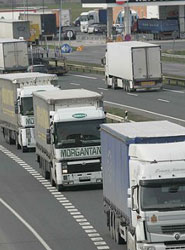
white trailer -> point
(133, 65)
(14, 29)
(144, 184)
(13, 55)
(67, 124)
(16, 106)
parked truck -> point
(14, 29)
(161, 28)
(92, 16)
(45, 21)
(133, 65)
(16, 106)
(67, 124)
(144, 184)
(13, 55)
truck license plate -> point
(147, 83)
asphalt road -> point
(93, 53)
(166, 104)
(34, 215)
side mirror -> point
(16, 107)
(48, 136)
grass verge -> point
(131, 115)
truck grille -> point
(81, 168)
(173, 229)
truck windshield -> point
(27, 106)
(77, 134)
(163, 195)
(84, 18)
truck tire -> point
(59, 187)
(18, 146)
(51, 178)
(24, 149)
(114, 83)
(118, 238)
(112, 225)
(107, 82)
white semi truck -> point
(16, 106)
(67, 124)
(144, 184)
(133, 65)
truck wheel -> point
(51, 179)
(112, 225)
(114, 83)
(18, 146)
(107, 82)
(24, 149)
(59, 187)
(118, 238)
(45, 173)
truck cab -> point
(157, 181)
(86, 19)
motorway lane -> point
(50, 218)
(167, 104)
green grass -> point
(131, 115)
(75, 8)
(173, 60)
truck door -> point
(21, 56)
(139, 63)
(154, 62)
(9, 55)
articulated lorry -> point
(144, 184)
(92, 16)
(67, 124)
(133, 65)
(16, 106)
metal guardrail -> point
(175, 80)
(115, 118)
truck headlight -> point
(148, 248)
(64, 168)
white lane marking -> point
(88, 77)
(64, 201)
(72, 210)
(74, 213)
(67, 207)
(97, 239)
(145, 111)
(100, 243)
(76, 84)
(132, 94)
(30, 228)
(175, 91)
(103, 247)
(92, 233)
(78, 216)
(84, 223)
(87, 227)
(67, 204)
(79, 220)
(102, 89)
(163, 100)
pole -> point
(60, 23)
